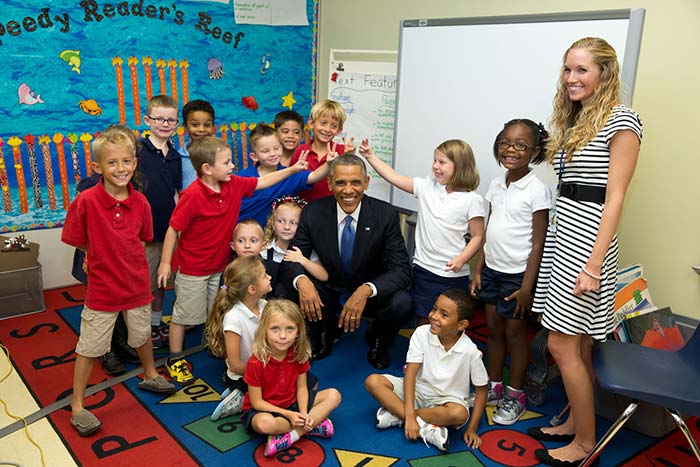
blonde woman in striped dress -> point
(594, 152)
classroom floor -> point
(141, 428)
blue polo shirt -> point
(162, 179)
(189, 175)
(259, 205)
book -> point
(628, 274)
(631, 295)
(654, 327)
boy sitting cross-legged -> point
(441, 363)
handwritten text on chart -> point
(372, 81)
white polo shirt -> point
(443, 372)
(242, 321)
(509, 231)
(443, 220)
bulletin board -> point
(70, 68)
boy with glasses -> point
(161, 166)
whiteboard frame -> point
(630, 58)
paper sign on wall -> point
(271, 12)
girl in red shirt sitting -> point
(282, 401)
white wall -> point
(56, 258)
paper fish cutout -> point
(264, 64)
(72, 58)
(26, 95)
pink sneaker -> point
(323, 429)
(277, 443)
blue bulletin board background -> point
(68, 69)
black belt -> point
(578, 192)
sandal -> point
(537, 433)
(85, 423)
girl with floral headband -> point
(279, 231)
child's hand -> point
(455, 264)
(472, 439)
(366, 149)
(523, 301)
(297, 419)
(349, 145)
(309, 425)
(163, 275)
(411, 429)
(301, 164)
(294, 255)
(475, 285)
(331, 154)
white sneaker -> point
(435, 435)
(231, 405)
(386, 419)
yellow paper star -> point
(288, 100)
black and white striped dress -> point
(570, 241)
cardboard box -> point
(21, 285)
(649, 419)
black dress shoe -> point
(545, 458)
(111, 364)
(537, 433)
(377, 356)
(126, 353)
(323, 347)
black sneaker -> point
(111, 364)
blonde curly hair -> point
(574, 125)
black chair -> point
(668, 379)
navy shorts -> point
(496, 286)
(234, 383)
(428, 286)
(247, 416)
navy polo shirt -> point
(259, 205)
(162, 179)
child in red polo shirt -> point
(326, 122)
(107, 218)
(201, 226)
(282, 401)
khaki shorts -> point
(153, 253)
(194, 297)
(423, 401)
(96, 329)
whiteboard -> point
(364, 83)
(463, 78)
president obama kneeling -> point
(359, 242)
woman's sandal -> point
(537, 433)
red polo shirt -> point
(320, 188)
(277, 379)
(112, 233)
(205, 220)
